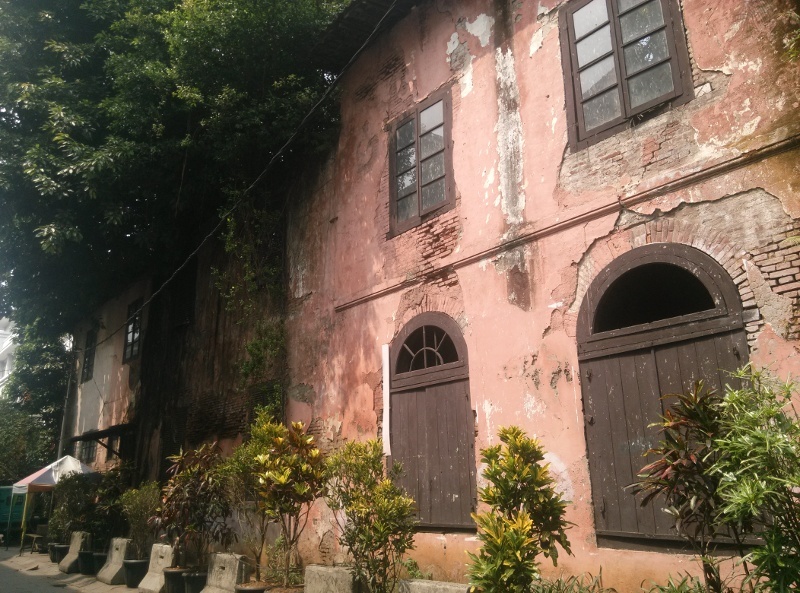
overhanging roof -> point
(94, 435)
(354, 26)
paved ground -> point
(34, 573)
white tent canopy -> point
(46, 478)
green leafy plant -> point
(525, 517)
(572, 584)
(687, 584)
(242, 471)
(290, 478)
(138, 505)
(680, 475)
(107, 519)
(195, 506)
(376, 518)
(758, 467)
(73, 505)
(413, 570)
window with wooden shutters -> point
(421, 164)
(88, 355)
(621, 58)
(432, 426)
(133, 331)
(653, 322)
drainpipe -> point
(63, 434)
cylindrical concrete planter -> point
(173, 580)
(134, 572)
(86, 562)
(51, 549)
(195, 581)
(60, 551)
(99, 561)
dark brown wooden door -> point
(432, 426)
(432, 437)
(653, 322)
(622, 398)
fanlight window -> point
(427, 346)
(649, 293)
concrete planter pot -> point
(86, 562)
(195, 582)
(173, 580)
(60, 551)
(134, 572)
(99, 561)
(251, 588)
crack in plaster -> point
(775, 308)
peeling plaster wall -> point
(533, 224)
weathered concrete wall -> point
(533, 224)
(105, 400)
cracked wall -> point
(532, 224)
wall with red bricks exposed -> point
(533, 224)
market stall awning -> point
(47, 477)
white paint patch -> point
(488, 412)
(489, 178)
(560, 474)
(481, 28)
(452, 45)
(536, 41)
(510, 139)
(532, 406)
(555, 305)
(466, 79)
(750, 127)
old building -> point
(544, 213)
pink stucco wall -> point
(720, 173)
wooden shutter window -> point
(621, 58)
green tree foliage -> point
(127, 125)
(525, 517)
(138, 506)
(375, 516)
(23, 441)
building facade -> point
(547, 214)
(7, 348)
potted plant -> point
(73, 499)
(138, 506)
(106, 520)
(291, 476)
(193, 513)
(241, 471)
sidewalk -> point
(35, 572)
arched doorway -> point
(653, 322)
(432, 425)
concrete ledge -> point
(160, 558)
(225, 572)
(337, 579)
(328, 579)
(424, 586)
(113, 573)
(79, 541)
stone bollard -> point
(160, 558)
(113, 573)
(225, 572)
(79, 541)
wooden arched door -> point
(653, 322)
(432, 425)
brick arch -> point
(441, 293)
(661, 230)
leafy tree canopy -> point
(126, 126)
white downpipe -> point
(387, 446)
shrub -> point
(138, 505)
(290, 478)
(681, 476)
(194, 505)
(759, 470)
(73, 505)
(525, 516)
(242, 471)
(572, 584)
(378, 521)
